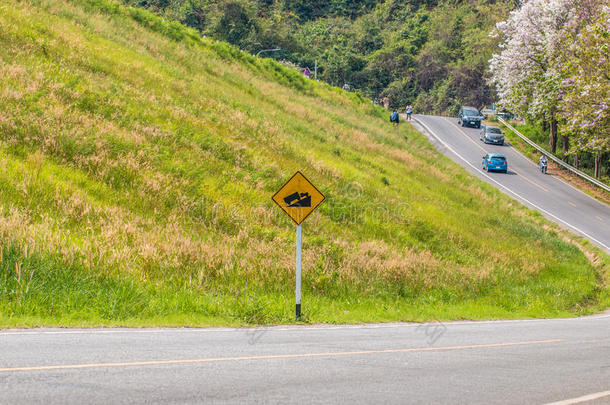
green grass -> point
(137, 165)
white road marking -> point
(584, 398)
(511, 191)
(512, 169)
(288, 328)
(567, 183)
(558, 178)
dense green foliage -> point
(429, 53)
(137, 162)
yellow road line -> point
(571, 203)
(270, 357)
(483, 149)
(530, 181)
(599, 218)
(466, 135)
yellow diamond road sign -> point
(298, 198)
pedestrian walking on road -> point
(409, 111)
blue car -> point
(495, 162)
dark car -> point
(492, 135)
(495, 162)
(470, 116)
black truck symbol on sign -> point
(298, 200)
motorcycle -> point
(543, 165)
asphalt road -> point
(562, 361)
(497, 362)
(557, 200)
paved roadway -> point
(566, 361)
(496, 362)
(554, 198)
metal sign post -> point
(298, 198)
(298, 286)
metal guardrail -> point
(555, 159)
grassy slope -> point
(137, 164)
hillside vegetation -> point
(430, 53)
(137, 165)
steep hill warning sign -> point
(298, 198)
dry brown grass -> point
(157, 162)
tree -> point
(401, 48)
(524, 72)
(232, 21)
(586, 85)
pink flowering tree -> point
(553, 65)
(585, 88)
(525, 73)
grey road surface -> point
(496, 362)
(554, 198)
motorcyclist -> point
(543, 163)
